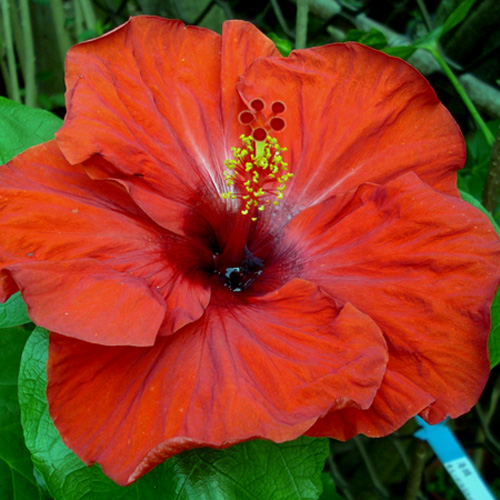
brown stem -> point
(492, 186)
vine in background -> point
(492, 185)
(301, 26)
(18, 48)
(430, 42)
(11, 79)
(88, 13)
(433, 49)
(30, 87)
(63, 39)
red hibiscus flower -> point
(227, 244)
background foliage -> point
(442, 39)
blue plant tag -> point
(455, 460)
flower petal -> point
(89, 301)
(397, 400)
(146, 98)
(423, 266)
(356, 115)
(266, 368)
(65, 235)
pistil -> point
(233, 253)
(256, 177)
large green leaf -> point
(22, 127)
(13, 312)
(494, 339)
(17, 481)
(257, 470)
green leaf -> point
(329, 490)
(86, 35)
(494, 338)
(51, 101)
(65, 475)
(22, 127)
(17, 481)
(429, 40)
(402, 52)
(284, 45)
(476, 203)
(373, 38)
(472, 177)
(13, 312)
(258, 470)
(458, 15)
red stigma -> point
(262, 125)
(277, 123)
(257, 104)
(246, 117)
(259, 134)
(278, 107)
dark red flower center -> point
(236, 266)
(241, 277)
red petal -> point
(65, 236)
(8, 286)
(397, 400)
(146, 97)
(423, 266)
(267, 368)
(89, 301)
(356, 115)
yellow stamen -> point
(253, 177)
